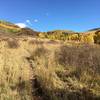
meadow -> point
(43, 69)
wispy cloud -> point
(36, 20)
(28, 22)
(21, 25)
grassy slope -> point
(15, 73)
(47, 69)
(15, 70)
(29, 69)
(10, 29)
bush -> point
(82, 56)
(71, 76)
(97, 37)
(12, 44)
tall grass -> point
(68, 73)
(14, 85)
(63, 73)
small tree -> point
(97, 37)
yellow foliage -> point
(97, 38)
(89, 39)
(8, 27)
(42, 35)
(86, 38)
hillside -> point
(10, 29)
(37, 69)
(33, 67)
(95, 29)
(91, 36)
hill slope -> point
(37, 69)
(91, 36)
(48, 69)
(10, 29)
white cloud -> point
(28, 22)
(21, 25)
(35, 20)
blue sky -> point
(45, 15)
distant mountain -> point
(7, 28)
(90, 36)
(95, 29)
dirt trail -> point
(15, 60)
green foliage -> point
(12, 30)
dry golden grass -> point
(15, 71)
(9, 27)
(40, 70)
(61, 78)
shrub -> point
(97, 37)
(13, 43)
(82, 56)
(73, 71)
